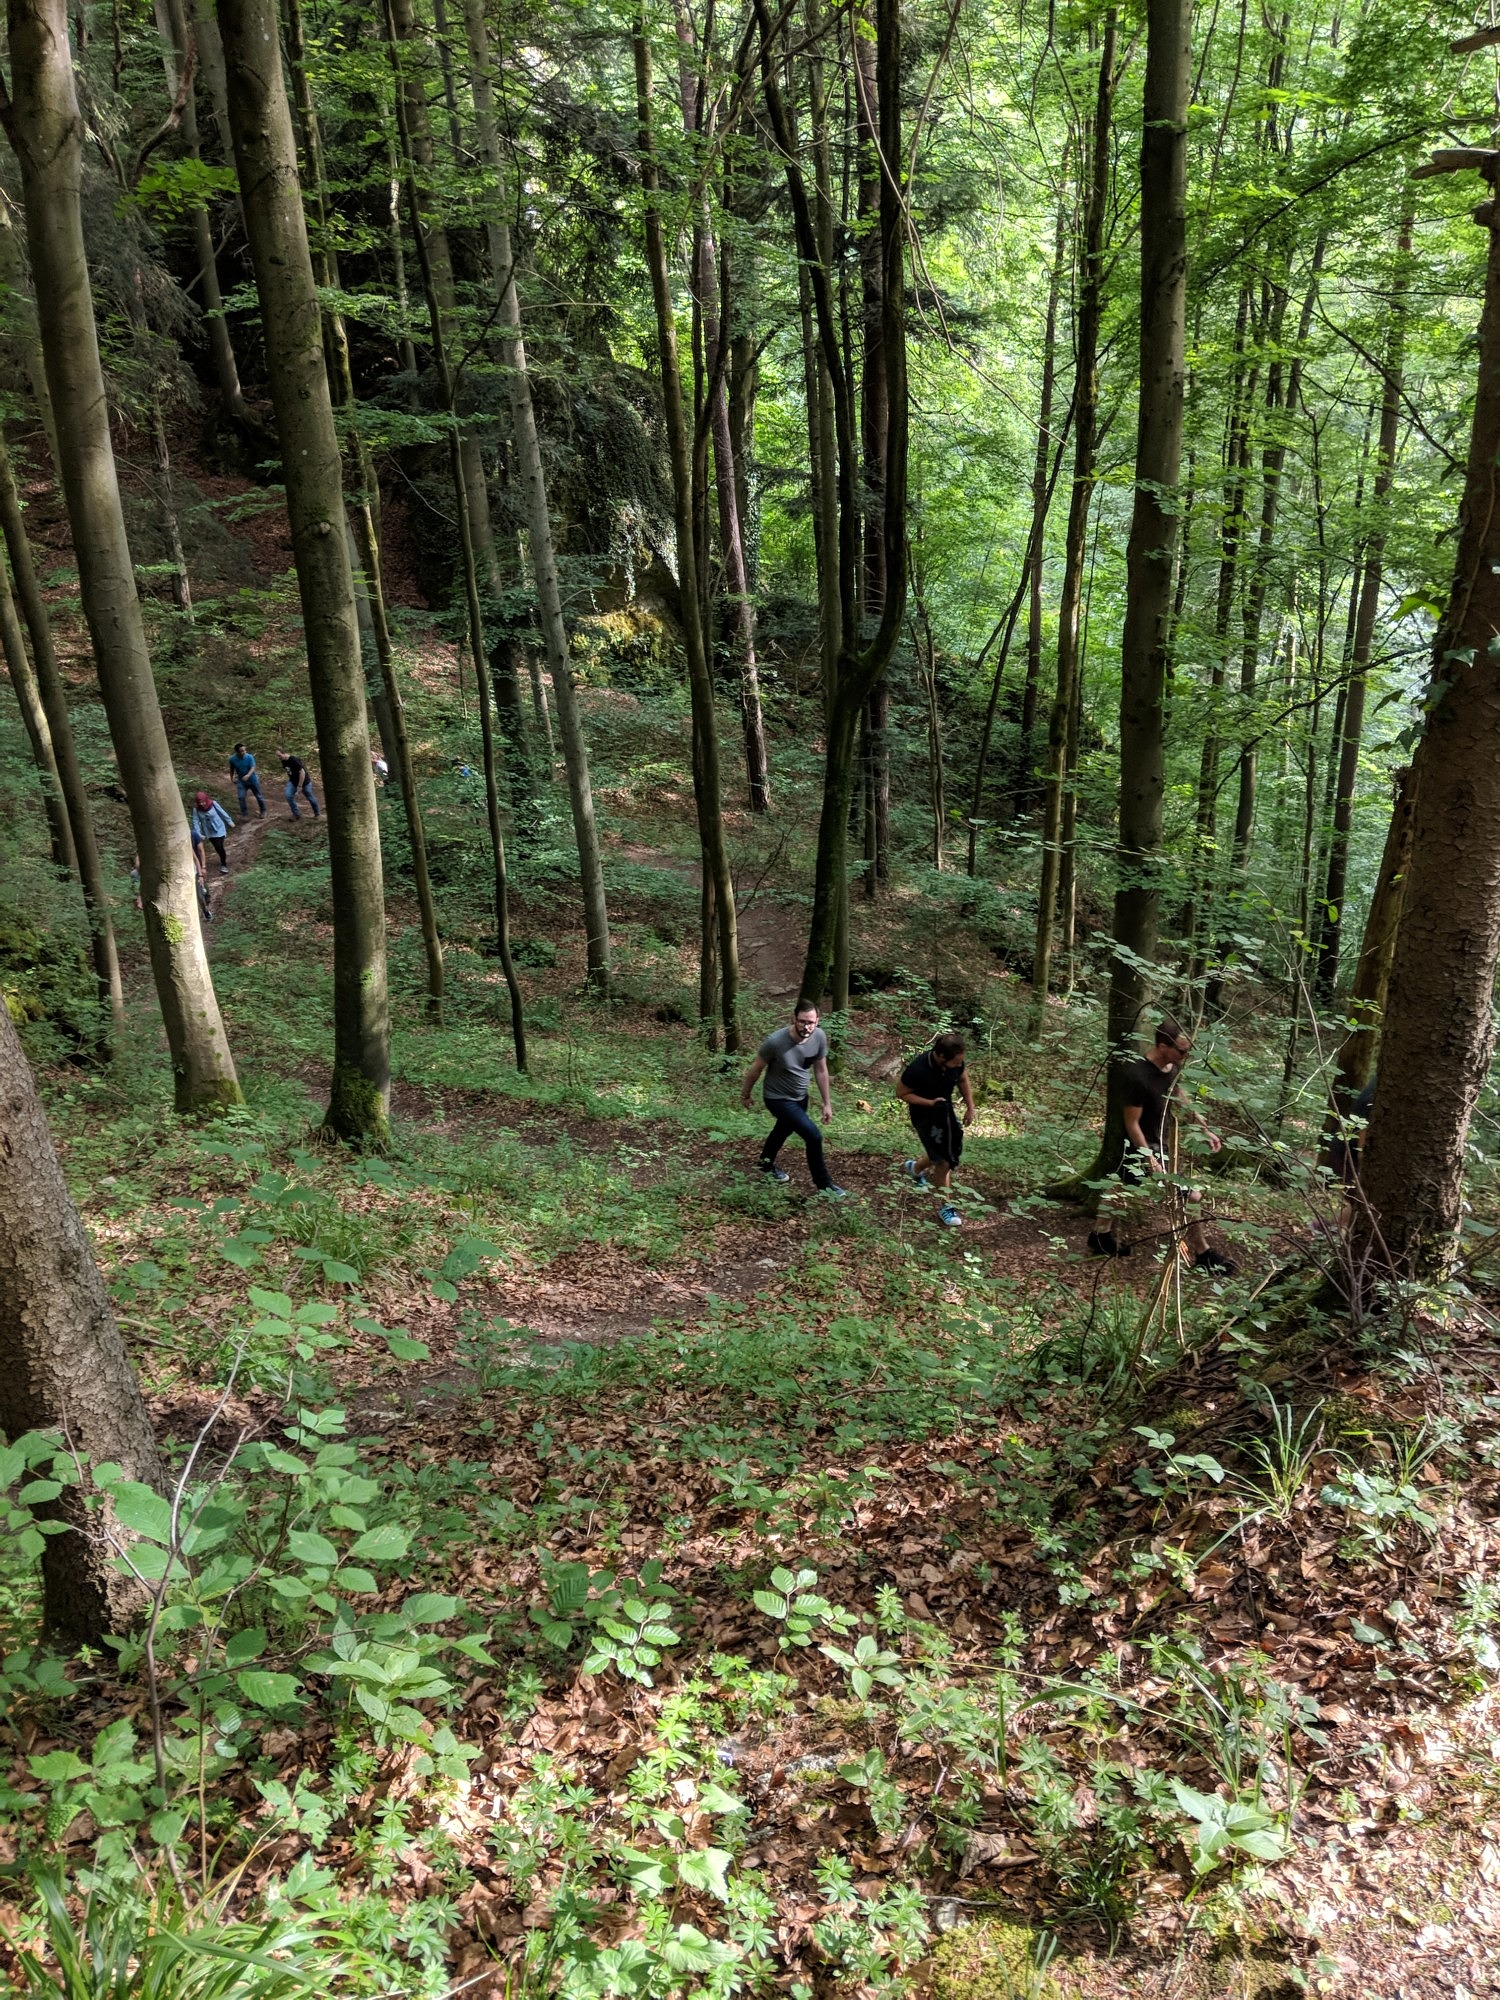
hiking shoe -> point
(774, 1173)
(223, 871)
(834, 1192)
(909, 1168)
(1214, 1260)
(949, 1216)
(1104, 1243)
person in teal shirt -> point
(246, 779)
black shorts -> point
(937, 1126)
(1134, 1171)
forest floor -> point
(738, 1591)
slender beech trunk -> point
(1366, 1004)
(1371, 580)
(875, 427)
(860, 664)
(361, 507)
(1439, 1017)
(406, 31)
(172, 25)
(266, 161)
(46, 129)
(23, 325)
(54, 700)
(729, 483)
(706, 782)
(536, 511)
(1143, 655)
(1094, 208)
(432, 288)
(713, 301)
(63, 1365)
(1024, 785)
(38, 735)
(1231, 532)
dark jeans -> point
(307, 792)
(250, 784)
(792, 1119)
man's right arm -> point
(752, 1077)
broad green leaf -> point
(57, 1766)
(142, 1510)
(245, 1646)
(307, 1546)
(267, 1690)
(387, 1543)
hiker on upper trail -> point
(787, 1059)
(380, 769)
(297, 780)
(246, 779)
(210, 822)
(1150, 1088)
(926, 1089)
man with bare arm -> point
(787, 1059)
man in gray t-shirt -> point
(787, 1059)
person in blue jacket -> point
(210, 822)
(246, 779)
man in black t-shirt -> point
(926, 1089)
(298, 781)
(1150, 1087)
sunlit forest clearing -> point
(749, 899)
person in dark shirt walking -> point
(1150, 1089)
(246, 779)
(787, 1059)
(297, 780)
(926, 1089)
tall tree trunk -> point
(46, 129)
(1439, 1018)
(1371, 580)
(1094, 207)
(706, 781)
(1024, 786)
(463, 497)
(63, 1365)
(266, 160)
(1148, 603)
(361, 507)
(859, 664)
(875, 429)
(712, 296)
(177, 37)
(406, 30)
(536, 511)
(54, 700)
(38, 735)
(1355, 1062)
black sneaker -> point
(1104, 1243)
(774, 1173)
(1214, 1260)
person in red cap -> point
(210, 822)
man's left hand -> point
(1215, 1143)
(827, 1114)
(968, 1114)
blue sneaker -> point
(834, 1192)
(909, 1168)
(775, 1173)
(949, 1216)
